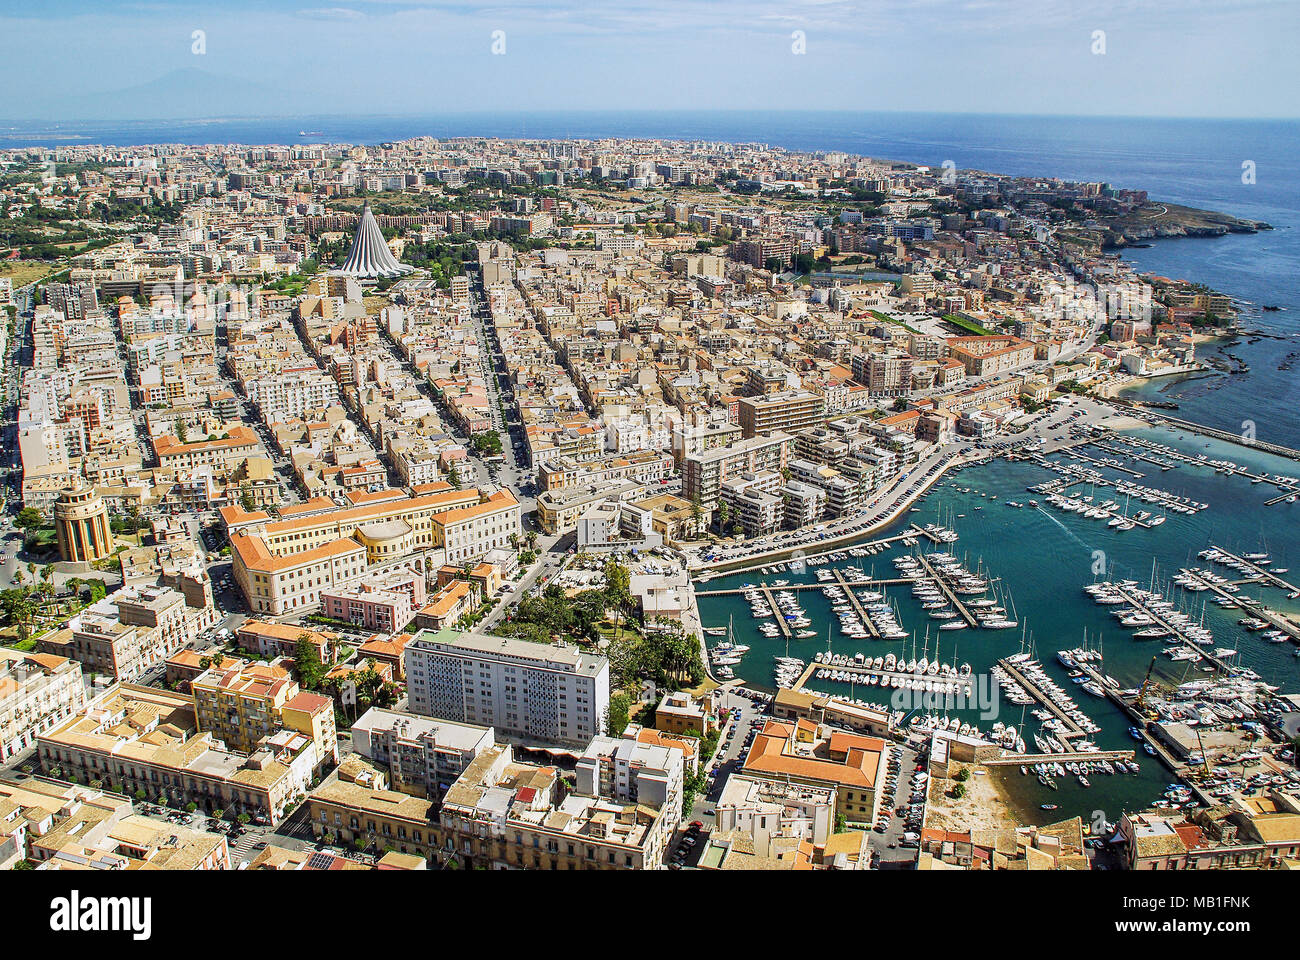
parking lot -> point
(894, 837)
(746, 712)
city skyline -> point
(145, 61)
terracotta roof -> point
(254, 554)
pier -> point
(1134, 454)
(1257, 610)
(736, 591)
(776, 612)
(1077, 455)
(1029, 759)
(857, 606)
(1271, 578)
(1157, 618)
(1072, 729)
(1109, 688)
(948, 592)
(1218, 467)
(1154, 415)
(962, 682)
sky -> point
(106, 60)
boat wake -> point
(1068, 532)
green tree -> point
(620, 707)
(307, 663)
(29, 520)
(617, 591)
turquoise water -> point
(1042, 559)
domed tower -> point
(81, 524)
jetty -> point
(962, 610)
(734, 591)
(857, 606)
(777, 614)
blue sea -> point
(1042, 558)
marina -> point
(1047, 552)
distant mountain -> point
(188, 94)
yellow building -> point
(242, 703)
(81, 525)
(345, 812)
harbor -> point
(1048, 550)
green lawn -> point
(967, 325)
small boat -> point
(1047, 806)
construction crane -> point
(1146, 682)
(1205, 759)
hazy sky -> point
(1162, 57)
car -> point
(697, 824)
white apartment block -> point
(526, 690)
(632, 772)
(424, 756)
(292, 395)
(37, 692)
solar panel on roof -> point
(319, 861)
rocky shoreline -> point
(1157, 221)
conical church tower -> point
(370, 256)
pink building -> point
(383, 611)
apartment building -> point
(292, 394)
(284, 565)
(559, 510)
(552, 694)
(221, 453)
(885, 373)
(753, 501)
(788, 411)
(802, 751)
(344, 812)
(680, 713)
(37, 691)
(987, 356)
(279, 584)
(140, 739)
(632, 772)
(62, 826)
(642, 466)
(468, 533)
(269, 640)
(241, 704)
(369, 606)
(770, 810)
(504, 815)
(423, 756)
(126, 634)
(704, 472)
